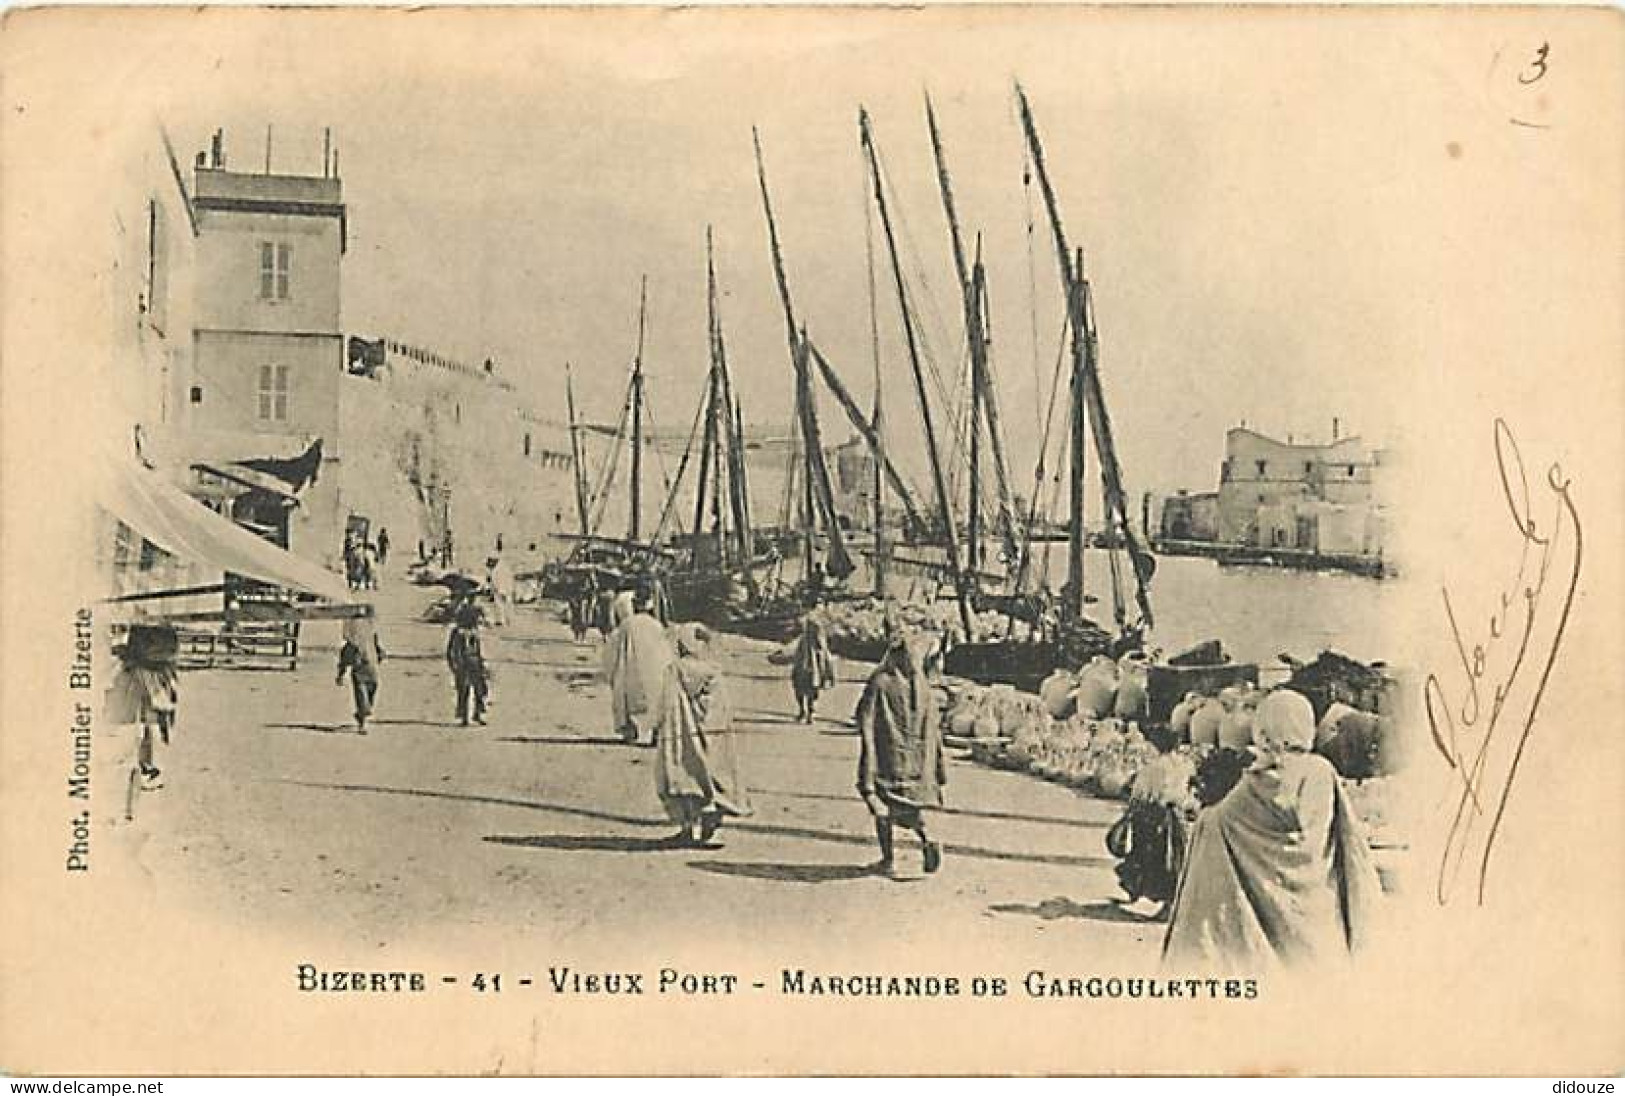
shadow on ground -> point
(495, 801)
(762, 716)
(1054, 909)
(963, 812)
(762, 828)
(320, 728)
(787, 873)
(578, 842)
(431, 723)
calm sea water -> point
(1258, 612)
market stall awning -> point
(174, 521)
(250, 479)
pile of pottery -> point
(1083, 729)
(1222, 720)
(861, 624)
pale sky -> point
(1238, 204)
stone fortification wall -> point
(431, 443)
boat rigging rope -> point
(933, 309)
(1043, 448)
(665, 478)
(682, 467)
(1032, 283)
(957, 400)
(599, 498)
(1054, 503)
(874, 296)
(922, 332)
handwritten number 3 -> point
(1538, 65)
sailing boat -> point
(984, 409)
(1073, 637)
(597, 560)
(717, 581)
(777, 610)
(939, 481)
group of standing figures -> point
(1266, 861)
(364, 559)
(666, 691)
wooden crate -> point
(248, 645)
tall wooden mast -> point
(1086, 376)
(1077, 541)
(984, 394)
(876, 421)
(575, 453)
(866, 136)
(708, 447)
(822, 501)
(637, 417)
(864, 425)
(708, 407)
(731, 436)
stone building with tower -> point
(233, 368)
(228, 349)
(267, 345)
(1309, 497)
(1319, 497)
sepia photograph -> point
(957, 540)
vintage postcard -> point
(969, 540)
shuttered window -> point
(273, 393)
(276, 266)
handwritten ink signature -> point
(1453, 726)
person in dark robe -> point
(603, 608)
(354, 562)
(466, 659)
(812, 667)
(814, 589)
(360, 657)
(1155, 824)
(383, 546)
(697, 765)
(580, 609)
(901, 767)
(1222, 767)
(1278, 872)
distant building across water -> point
(1317, 499)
